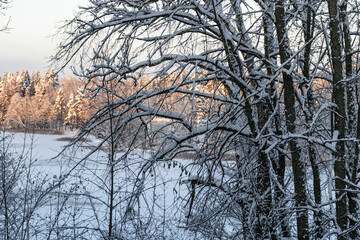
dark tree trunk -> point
(290, 112)
(278, 159)
(351, 119)
(339, 124)
(308, 34)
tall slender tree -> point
(339, 126)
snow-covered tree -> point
(22, 82)
(71, 113)
(4, 97)
(24, 191)
(60, 107)
(285, 100)
(51, 79)
(11, 83)
(37, 99)
(18, 112)
(79, 107)
(4, 4)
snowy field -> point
(71, 192)
(77, 202)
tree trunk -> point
(308, 35)
(263, 228)
(339, 125)
(289, 101)
(278, 159)
(262, 193)
(111, 145)
(351, 118)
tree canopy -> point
(272, 138)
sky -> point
(28, 45)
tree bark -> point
(278, 161)
(290, 112)
(308, 35)
(351, 118)
(339, 124)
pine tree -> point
(11, 84)
(30, 90)
(79, 107)
(44, 95)
(51, 79)
(71, 115)
(4, 99)
(41, 89)
(22, 82)
(59, 107)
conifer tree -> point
(11, 84)
(4, 100)
(79, 108)
(51, 79)
(71, 115)
(22, 82)
(59, 107)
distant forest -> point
(33, 101)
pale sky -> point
(28, 44)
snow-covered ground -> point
(77, 201)
(77, 205)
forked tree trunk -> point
(278, 159)
(262, 193)
(263, 225)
